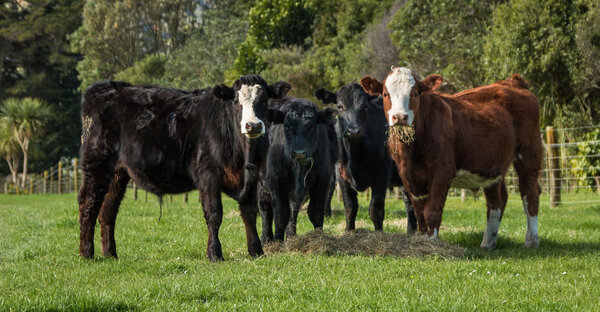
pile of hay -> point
(365, 242)
(398, 135)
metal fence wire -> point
(561, 174)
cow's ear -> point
(223, 92)
(278, 89)
(326, 115)
(433, 81)
(326, 96)
(371, 85)
(275, 116)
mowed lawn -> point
(163, 266)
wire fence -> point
(571, 167)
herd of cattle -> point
(272, 153)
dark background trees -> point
(52, 49)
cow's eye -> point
(341, 107)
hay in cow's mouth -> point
(369, 243)
(405, 134)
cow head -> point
(300, 119)
(400, 91)
(352, 106)
(251, 95)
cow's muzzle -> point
(353, 133)
(399, 120)
(254, 129)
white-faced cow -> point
(467, 140)
(173, 141)
(300, 166)
(364, 161)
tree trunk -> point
(24, 168)
(13, 167)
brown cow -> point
(466, 140)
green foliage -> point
(443, 37)
(536, 39)
(587, 167)
(273, 23)
(147, 71)
(115, 34)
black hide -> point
(300, 166)
(364, 161)
(169, 141)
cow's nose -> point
(399, 119)
(254, 127)
(352, 132)
(299, 154)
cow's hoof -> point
(532, 241)
(215, 258)
(87, 251)
(488, 245)
(255, 250)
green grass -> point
(162, 265)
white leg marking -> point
(532, 239)
(490, 237)
(434, 236)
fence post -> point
(134, 191)
(554, 173)
(45, 184)
(5, 187)
(75, 184)
(30, 185)
(59, 181)
(185, 198)
(146, 199)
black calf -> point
(300, 164)
(364, 160)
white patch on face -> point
(246, 96)
(532, 239)
(399, 84)
(490, 237)
(434, 236)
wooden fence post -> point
(5, 187)
(134, 191)
(185, 198)
(59, 177)
(75, 182)
(554, 174)
(30, 185)
(146, 200)
(45, 184)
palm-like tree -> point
(10, 150)
(26, 118)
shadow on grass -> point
(513, 248)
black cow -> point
(364, 160)
(173, 141)
(300, 165)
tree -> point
(10, 150)
(26, 118)
(115, 34)
(36, 61)
(443, 37)
(536, 39)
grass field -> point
(163, 267)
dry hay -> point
(400, 134)
(364, 242)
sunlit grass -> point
(162, 265)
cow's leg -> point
(349, 196)
(109, 210)
(249, 212)
(281, 212)
(419, 208)
(434, 205)
(377, 206)
(213, 214)
(411, 219)
(291, 227)
(330, 192)
(316, 206)
(96, 179)
(528, 172)
(496, 197)
(266, 213)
